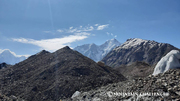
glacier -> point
(170, 61)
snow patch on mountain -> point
(134, 42)
(170, 61)
(97, 52)
(10, 57)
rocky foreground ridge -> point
(162, 87)
(49, 76)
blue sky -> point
(28, 26)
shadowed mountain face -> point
(54, 76)
(137, 50)
(135, 70)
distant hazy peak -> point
(7, 51)
(97, 52)
(10, 57)
(111, 40)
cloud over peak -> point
(101, 27)
(53, 44)
(73, 34)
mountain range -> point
(97, 52)
(49, 76)
(68, 75)
(10, 57)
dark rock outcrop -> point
(54, 76)
(4, 65)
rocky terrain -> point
(49, 76)
(162, 87)
(137, 50)
(11, 98)
(67, 75)
(135, 70)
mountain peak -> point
(42, 52)
(66, 47)
(97, 52)
(7, 51)
(134, 42)
(112, 40)
(136, 49)
(56, 75)
(10, 57)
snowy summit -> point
(170, 61)
(134, 42)
(97, 52)
(10, 57)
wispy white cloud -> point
(71, 30)
(73, 34)
(24, 55)
(82, 33)
(83, 28)
(77, 30)
(70, 27)
(111, 34)
(47, 31)
(96, 24)
(55, 43)
(101, 27)
(80, 29)
(59, 30)
(1, 50)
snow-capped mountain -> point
(97, 52)
(170, 61)
(135, 42)
(136, 49)
(10, 57)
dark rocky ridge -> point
(140, 50)
(54, 76)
